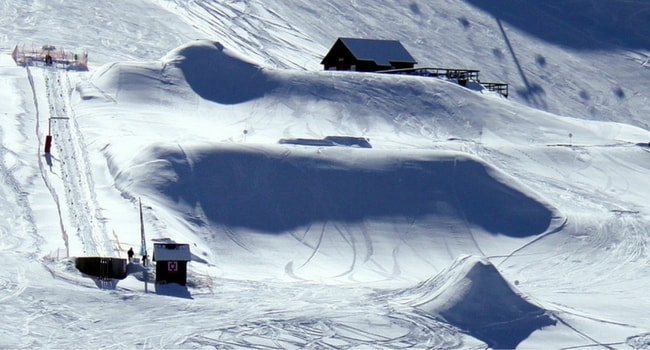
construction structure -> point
(48, 55)
(462, 75)
(102, 268)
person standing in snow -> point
(130, 253)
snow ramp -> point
(473, 296)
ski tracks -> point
(334, 318)
(17, 211)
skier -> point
(130, 253)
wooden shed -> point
(367, 55)
(171, 262)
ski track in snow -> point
(353, 317)
(18, 234)
(16, 209)
(243, 18)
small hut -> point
(171, 262)
(367, 55)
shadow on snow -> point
(281, 188)
(580, 24)
(218, 75)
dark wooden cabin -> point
(367, 55)
(171, 262)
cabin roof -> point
(171, 252)
(382, 52)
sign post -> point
(48, 138)
(48, 143)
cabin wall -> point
(171, 272)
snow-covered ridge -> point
(204, 71)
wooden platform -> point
(463, 75)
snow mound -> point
(473, 296)
(138, 82)
(218, 74)
(276, 188)
(200, 67)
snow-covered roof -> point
(171, 252)
(382, 52)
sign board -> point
(172, 266)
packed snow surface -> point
(328, 209)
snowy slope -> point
(583, 59)
(473, 220)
